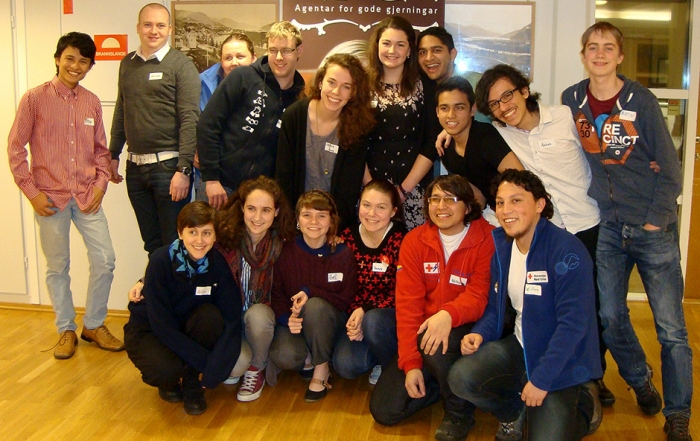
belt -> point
(151, 158)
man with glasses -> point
(545, 141)
(442, 283)
(238, 131)
(622, 129)
(156, 115)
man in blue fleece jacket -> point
(541, 276)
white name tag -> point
(335, 277)
(155, 76)
(533, 290)
(279, 123)
(628, 115)
(537, 277)
(203, 291)
(456, 280)
(89, 121)
(547, 143)
(379, 267)
(331, 148)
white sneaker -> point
(374, 376)
(232, 380)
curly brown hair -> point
(410, 76)
(231, 222)
(357, 116)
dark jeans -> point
(379, 345)
(322, 326)
(160, 366)
(390, 403)
(493, 377)
(148, 187)
(589, 238)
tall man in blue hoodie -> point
(238, 130)
(622, 130)
(542, 280)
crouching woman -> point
(189, 322)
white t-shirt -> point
(516, 287)
(451, 243)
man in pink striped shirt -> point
(66, 181)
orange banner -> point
(111, 47)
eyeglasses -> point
(507, 96)
(286, 52)
(448, 200)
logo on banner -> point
(111, 47)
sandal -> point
(312, 396)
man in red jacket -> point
(441, 290)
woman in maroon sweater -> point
(313, 286)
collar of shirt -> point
(63, 90)
(160, 54)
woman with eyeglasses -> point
(402, 143)
(314, 284)
(323, 139)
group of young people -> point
(499, 286)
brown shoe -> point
(65, 348)
(103, 338)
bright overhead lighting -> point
(632, 14)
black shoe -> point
(593, 392)
(454, 428)
(171, 395)
(676, 427)
(193, 394)
(648, 398)
(607, 398)
(312, 396)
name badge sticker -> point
(335, 277)
(456, 280)
(547, 143)
(203, 291)
(628, 115)
(331, 148)
(89, 121)
(537, 277)
(379, 267)
(279, 123)
(533, 290)
(155, 76)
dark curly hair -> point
(410, 76)
(530, 182)
(456, 185)
(519, 81)
(357, 116)
(231, 222)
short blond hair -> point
(284, 29)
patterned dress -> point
(396, 141)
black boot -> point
(193, 393)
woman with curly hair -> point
(323, 139)
(401, 147)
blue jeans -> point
(54, 234)
(657, 256)
(493, 377)
(379, 345)
(148, 187)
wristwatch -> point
(186, 171)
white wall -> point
(558, 25)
